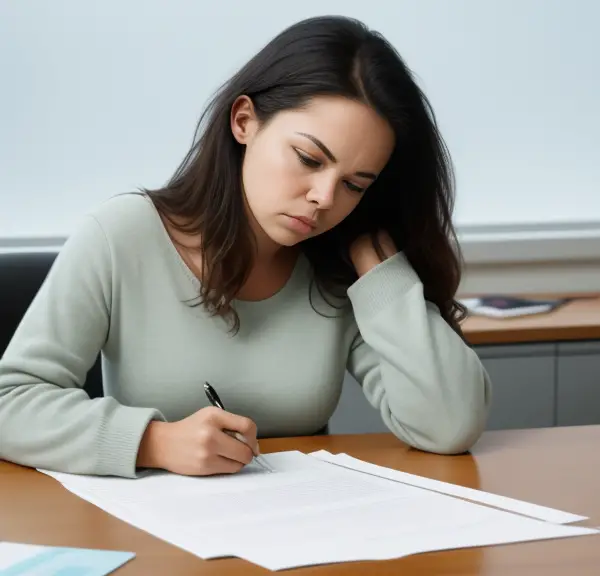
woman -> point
(307, 232)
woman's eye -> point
(312, 163)
(307, 160)
(353, 187)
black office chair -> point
(21, 275)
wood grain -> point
(576, 320)
(557, 467)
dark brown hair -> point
(412, 198)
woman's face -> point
(307, 169)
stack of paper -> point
(28, 560)
(317, 509)
(495, 500)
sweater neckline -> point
(192, 284)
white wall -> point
(102, 96)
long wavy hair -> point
(411, 200)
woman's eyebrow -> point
(320, 144)
(330, 155)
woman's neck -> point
(272, 265)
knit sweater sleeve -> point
(46, 419)
(429, 386)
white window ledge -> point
(530, 243)
(481, 245)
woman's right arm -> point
(46, 419)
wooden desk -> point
(577, 320)
(556, 467)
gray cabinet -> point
(578, 391)
(523, 385)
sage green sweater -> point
(119, 286)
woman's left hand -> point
(363, 253)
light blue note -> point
(29, 560)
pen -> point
(214, 399)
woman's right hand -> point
(198, 445)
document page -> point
(308, 511)
(299, 482)
(386, 530)
(175, 507)
(503, 502)
(357, 541)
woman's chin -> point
(284, 236)
(286, 240)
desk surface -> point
(557, 467)
(576, 320)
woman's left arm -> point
(430, 387)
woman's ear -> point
(244, 123)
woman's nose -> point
(322, 193)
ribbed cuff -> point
(119, 440)
(381, 285)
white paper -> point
(308, 512)
(183, 510)
(378, 529)
(472, 494)
(300, 482)
(358, 545)
(371, 518)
